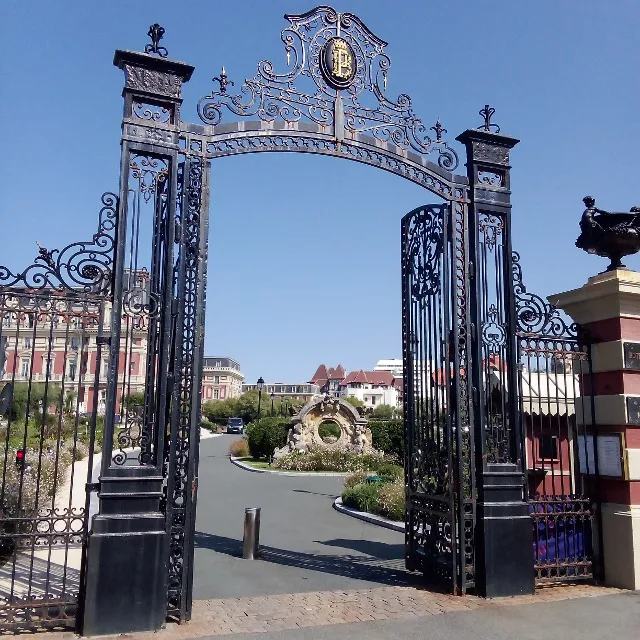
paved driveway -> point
(306, 544)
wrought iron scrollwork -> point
(84, 267)
(534, 315)
(424, 243)
(275, 96)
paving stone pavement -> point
(264, 614)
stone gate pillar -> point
(503, 534)
(607, 308)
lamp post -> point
(260, 384)
(273, 397)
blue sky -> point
(304, 251)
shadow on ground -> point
(381, 563)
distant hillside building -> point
(328, 380)
(394, 365)
(373, 388)
(299, 392)
(221, 378)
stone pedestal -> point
(608, 308)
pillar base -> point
(127, 554)
(504, 547)
(621, 543)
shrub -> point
(355, 478)
(205, 424)
(328, 429)
(266, 435)
(390, 472)
(363, 497)
(391, 499)
(239, 448)
(388, 436)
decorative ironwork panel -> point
(183, 433)
(437, 467)
(336, 78)
(85, 267)
(146, 281)
(558, 423)
(49, 424)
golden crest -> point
(338, 63)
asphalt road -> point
(305, 544)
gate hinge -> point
(100, 340)
(92, 486)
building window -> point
(373, 399)
(548, 447)
(46, 367)
(73, 366)
(26, 343)
(105, 368)
(216, 379)
(216, 394)
(24, 368)
(132, 367)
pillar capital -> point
(612, 294)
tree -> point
(384, 411)
(219, 411)
(353, 401)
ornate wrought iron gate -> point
(439, 466)
(51, 352)
(556, 414)
(124, 317)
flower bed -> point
(382, 495)
(319, 458)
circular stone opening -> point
(329, 431)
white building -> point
(394, 365)
(373, 388)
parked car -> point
(235, 425)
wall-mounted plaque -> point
(633, 409)
(632, 355)
(609, 455)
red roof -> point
(382, 378)
(322, 375)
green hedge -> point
(388, 436)
(266, 435)
(329, 429)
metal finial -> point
(156, 33)
(439, 129)
(45, 255)
(223, 81)
(487, 114)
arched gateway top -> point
(332, 100)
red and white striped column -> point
(608, 309)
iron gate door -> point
(558, 421)
(438, 461)
(51, 403)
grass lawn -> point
(257, 464)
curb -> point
(290, 474)
(371, 518)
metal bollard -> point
(251, 539)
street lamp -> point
(273, 397)
(260, 384)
